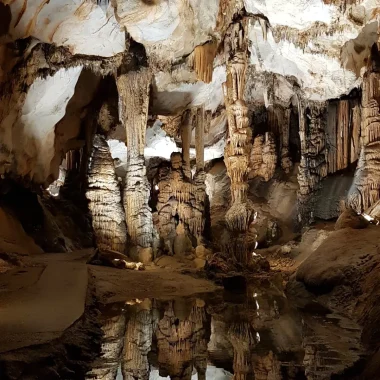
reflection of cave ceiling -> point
(315, 48)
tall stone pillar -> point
(239, 141)
(199, 138)
(134, 88)
(187, 125)
(313, 165)
(108, 218)
(366, 188)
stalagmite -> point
(286, 162)
(133, 89)
(108, 218)
(263, 159)
(138, 342)
(366, 188)
(313, 165)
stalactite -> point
(133, 89)
(203, 60)
(366, 188)
(138, 342)
(108, 218)
(313, 165)
(286, 162)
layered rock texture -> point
(108, 218)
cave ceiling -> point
(315, 49)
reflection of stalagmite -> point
(138, 342)
(108, 218)
(133, 102)
(182, 342)
(366, 188)
(313, 166)
(242, 338)
(113, 327)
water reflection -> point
(257, 335)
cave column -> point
(239, 141)
(313, 165)
(186, 129)
(199, 138)
(366, 188)
(134, 88)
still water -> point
(256, 335)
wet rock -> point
(258, 263)
(350, 219)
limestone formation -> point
(238, 145)
(138, 342)
(181, 201)
(108, 218)
(133, 89)
(182, 341)
(313, 165)
(263, 159)
(203, 60)
(366, 189)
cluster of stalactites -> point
(313, 165)
(366, 189)
(263, 159)
(108, 218)
(134, 88)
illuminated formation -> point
(108, 218)
(133, 91)
(181, 198)
(366, 189)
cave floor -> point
(40, 300)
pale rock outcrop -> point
(108, 218)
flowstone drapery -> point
(313, 165)
(108, 219)
(134, 88)
(366, 188)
